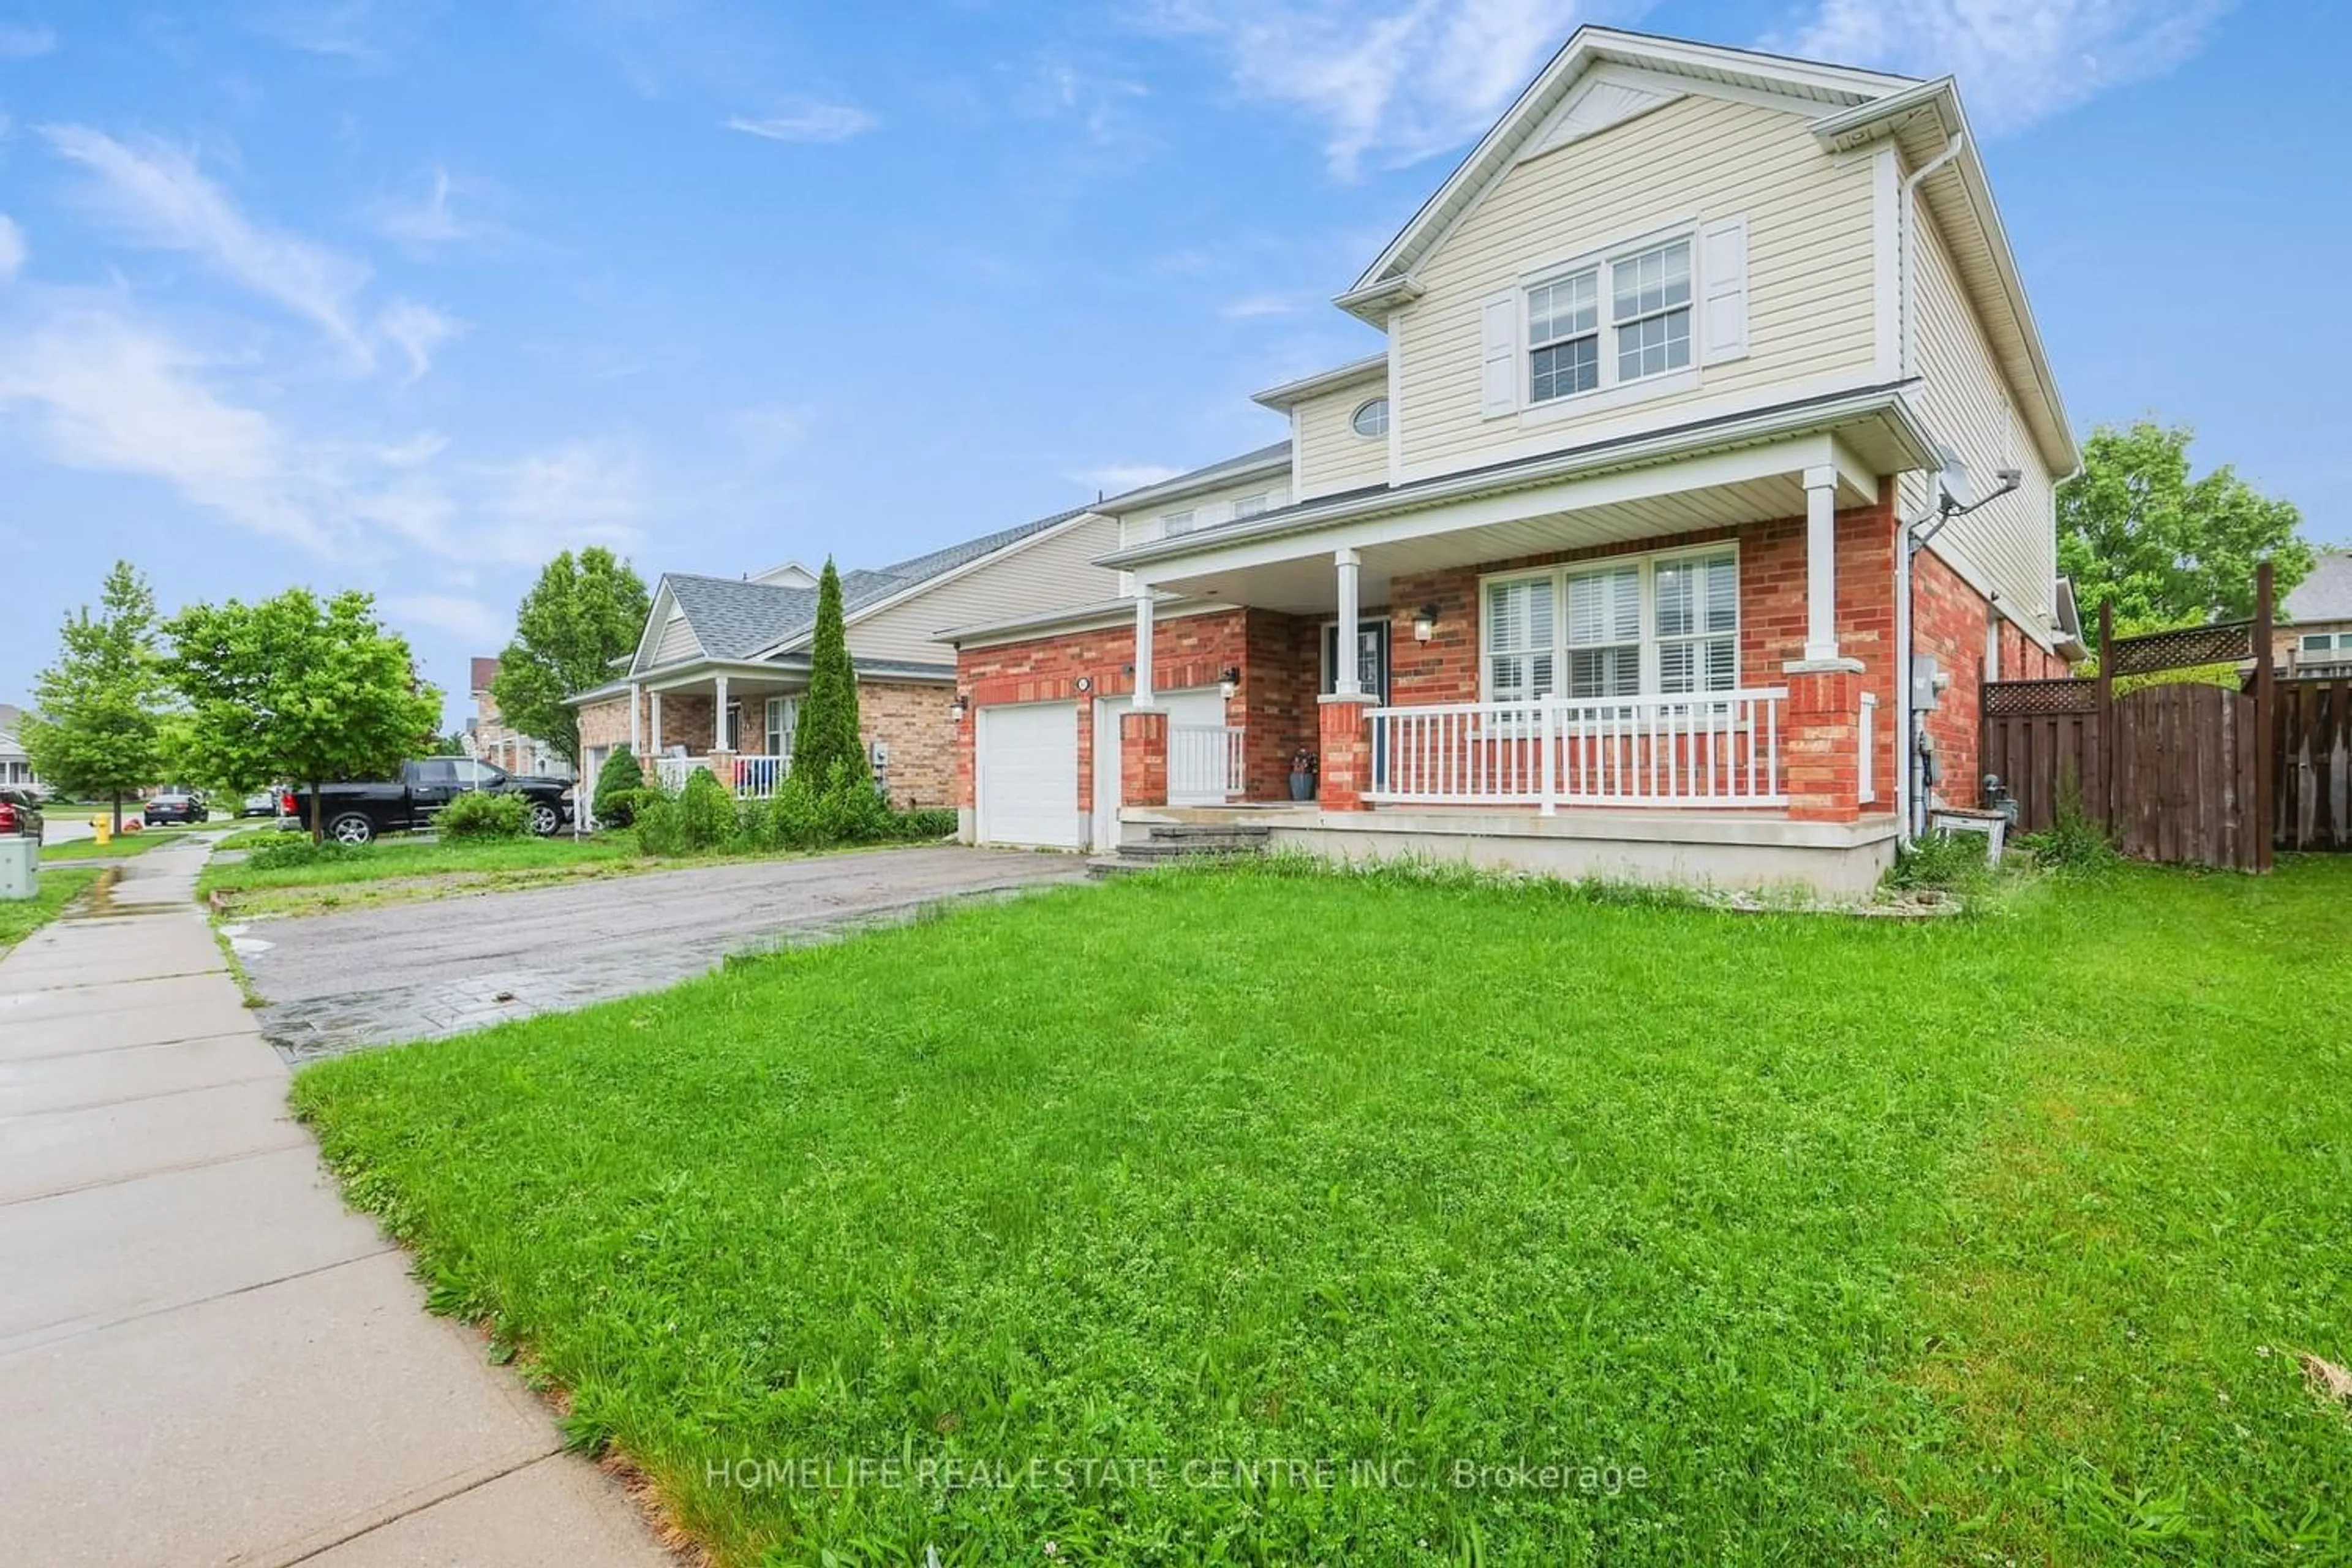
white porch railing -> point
(1720, 750)
(747, 776)
(1204, 763)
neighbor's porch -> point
(737, 723)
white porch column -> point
(636, 720)
(1820, 564)
(718, 719)
(654, 748)
(1142, 645)
(1346, 678)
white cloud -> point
(466, 619)
(1393, 83)
(357, 32)
(25, 43)
(806, 120)
(12, 248)
(416, 330)
(2017, 60)
(1112, 479)
(1252, 307)
(101, 390)
(155, 196)
(425, 221)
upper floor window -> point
(1371, 418)
(1649, 323)
(1664, 624)
(2320, 642)
(1249, 506)
(1174, 523)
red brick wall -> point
(1948, 620)
(1279, 657)
(1772, 613)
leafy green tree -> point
(583, 613)
(291, 689)
(826, 745)
(93, 730)
(2136, 531)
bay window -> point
(1666, 623)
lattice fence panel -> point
(2028, 698)
(2183, 648)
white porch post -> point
(655, 740)
(1346, 678)
(1821, 564)
(636, 720)
(719, 718)
(1142, 645)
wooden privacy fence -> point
(2184, 772)
(2311, 740)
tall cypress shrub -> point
(826, 744)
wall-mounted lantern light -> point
(961, 706)
(1230, 681)
(1425, 623)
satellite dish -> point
(1959, 489)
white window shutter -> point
(1723, 271)
(1498, 354)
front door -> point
(1371, 658)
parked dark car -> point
(173, 806)
(261, 803)
(356, 812)
(20, 813)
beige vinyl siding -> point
(1209, 507)
(1049, 573)
(2012, 543)
(676, 642)
(1332, 457)
(1809, 289)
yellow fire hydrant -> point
(105, 830)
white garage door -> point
(1026, 767)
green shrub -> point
(848, 809)
(659, 821)
(2073, 843)
(478, 813)
(706, 813)
(1952, 862)
(618, 783)
(932, 822)
(291, 851)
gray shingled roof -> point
(2326, 594)
(733, 618)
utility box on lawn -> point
(20, 867)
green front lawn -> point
(20, 918)
(399, 869)
(128, 844)
(1152, 1220)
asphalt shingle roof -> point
(2326, 594)
(733, 618)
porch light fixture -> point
(961, 706)
(1425, 623)
(1230, 681)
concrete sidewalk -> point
(204, 1358)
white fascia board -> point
(656, 618)
(1280, 398)
(1571, 492)
(1084, 618)
(1666, 447)
(1214, 477)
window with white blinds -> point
(1667, 624)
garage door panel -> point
(1025, 762)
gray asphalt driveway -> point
(369, 977)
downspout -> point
(1906, 262)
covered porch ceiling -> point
(1295, 572)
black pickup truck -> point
(356, 812)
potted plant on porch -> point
(1304, 767)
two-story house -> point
(1710, 397)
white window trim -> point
(1252, 505)
(1647, 562)
(1387, 412)
(1189, 518)
(1609, 392)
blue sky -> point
(408, 296)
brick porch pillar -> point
(1820, 740)
(1347, 744)
(722, 768)
(1143, 757)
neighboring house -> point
(15, 767)
(2316, 638)
(718, 678)
(489, 739)
(1599, 566)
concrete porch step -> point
(1176, 841)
